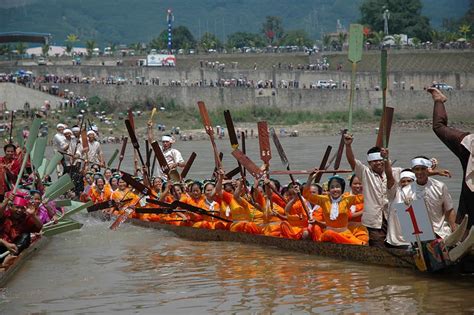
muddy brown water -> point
(139, 271)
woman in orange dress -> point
(100, 192)
(335, 209)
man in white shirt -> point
(374, 184)
(60, 144)
(94, 155)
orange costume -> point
(100, 196)
(203, 221)
(119, 195)
(337, 219)
(243, 214)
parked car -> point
(41, 61)
(326, 84)
(443, 86)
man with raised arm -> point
(374, 190)
(461, 143)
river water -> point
(135, 270)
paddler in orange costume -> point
(335, 209)
(100, 192)
(355, 216)
(205, 201)
(123, 192)
(295, 225)
(234, 208)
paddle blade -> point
(250, 166)
(42, 168)
(385, 125)
(232, 173)
(153, 112)
(63, 203)
(33, 135)
(281, 152)
(231, 130)
(57, 157)
(323, 164)
(63, 184)
(38, 152)
(205, 118)
(61, 227)
(141, 188)
(340, 150)
(84, 141)
(356, 42)
(188, 165)
(383, 65)
(76, 207)
(160, 157)
(131, 134)
(113, 157)
(264, 142)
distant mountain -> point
(131, 21)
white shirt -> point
(394, 230)
(172, 156)
(438, 201)
(59, 142)
(375, 194)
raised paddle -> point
(57, 157)
(132, 123)
(188, 165)
(28, 146)
(11, 127)
(383, 61)
(59, 187)
(286, 163)
(356, 42)
(340, 150)
(141, 188)
(385, 127)
(250, 166)
(234, 142)
(147, 153)
(233, 172)
(153, 112)
(134, 140)
(84, 140)
(210, 131)
(165, 168)
(122, 152)
(112, 158)
(323, 164)
(264, 143)
(244, 148)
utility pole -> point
(386, 17)
(169, 19)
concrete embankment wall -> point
(366, 80)
(409, 103)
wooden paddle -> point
(244, 149)
(153, 112)
(210, 131)
(307, 172)
(122, 152)
(84, 140)
(106, 204)
(340, 150)
(286, 163)
(383, 61)
(188, 165)
(148, 154)
(356, 42)
(250, 166)
(11, 127)
(234, 142)
(134, 140)
(385, 127)
(132, 124)
(112, 158)
(28, 146)
(175, 204)
(165, 168)
(141, 188)
(323, 164)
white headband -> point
(60, 126)
(408, 174)
(421, 162)
(75, 129)
(91, 132)
(376, 156)
(67, 131)
(166, 138)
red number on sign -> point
(413, 220)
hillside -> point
(125, 21)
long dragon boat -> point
(386, 257)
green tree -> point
(272, 28)
(465, 29)
(326, 42)
(398, 41)
(244, 39)
(182, 38)
(209, 41)
(297, 38)
(90, 45)
(71, 39)
(377, 38)
(341, 39)
(405, 17)
(5, 49)
(21, 48)
(45, 50)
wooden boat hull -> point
(376, 256)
